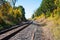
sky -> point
(29, 5)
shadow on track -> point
(37, 24)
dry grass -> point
(53, 23)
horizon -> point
(29, 6)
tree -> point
(33, 16)
(46, 5)
(2, 2)
(12, 2)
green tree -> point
(46, 5)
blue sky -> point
(29, 5)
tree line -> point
(47, 8)
(10, 15)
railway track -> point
(3, 31)
(7, 34)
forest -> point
(49, 13)
(10, 14)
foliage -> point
(46, 5)
(50, 9)
(12, 2)
(11, 15)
